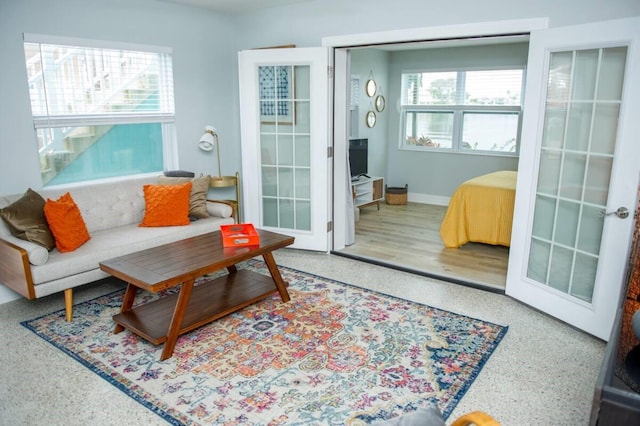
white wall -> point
(364, 63)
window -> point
(462, 111)
(99, 110)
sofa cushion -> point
(107, 204)
(26, 220)
(115, 242)
(66, 223)
(198, 196)
(166, 205)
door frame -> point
(341, 45)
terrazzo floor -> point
(542, 373)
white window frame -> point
(458, 110)
(166, 118)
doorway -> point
(407, 236)
(590, 302)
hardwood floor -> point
(408, 236)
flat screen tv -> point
(358, 157)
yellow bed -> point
(481, 210)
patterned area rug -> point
(334, 354)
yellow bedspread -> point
(481, 210)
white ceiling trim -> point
(478, 29)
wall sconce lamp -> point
(207, 141)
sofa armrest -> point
(219, 208)
(15, 270)
(37, 254)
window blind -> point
(484, 87)
(73, 85)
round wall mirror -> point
(371, 119)
(380, 103)
(371, 88)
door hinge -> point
(329, 152)
(329, 226)
(330, 71)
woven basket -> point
(396, 195)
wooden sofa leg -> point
(68, 303)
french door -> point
(578, 172)
(284, 110)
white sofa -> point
(112, 211)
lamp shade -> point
(207, 140)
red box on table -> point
(239, 235)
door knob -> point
(622, 212)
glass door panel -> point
(549, 172)
(571, 183)
(285, 145)
(605, 123)
(567, 214)
(539, 254)
(561, 260)
(544, 218)
(585, 69)
(578, 126)
(584, 93)
(598, 177)
(612, 73)
(590, 235)
(559, 76)
(554, 124)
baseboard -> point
(436, 200)
(7, 295)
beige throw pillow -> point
(198, 196)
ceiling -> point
(235, 7)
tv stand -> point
(367, 191)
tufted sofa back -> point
(103, 205)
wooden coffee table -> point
(180, 263)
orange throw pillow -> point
(166, 205)
(66, 223)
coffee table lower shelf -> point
(209, 301)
